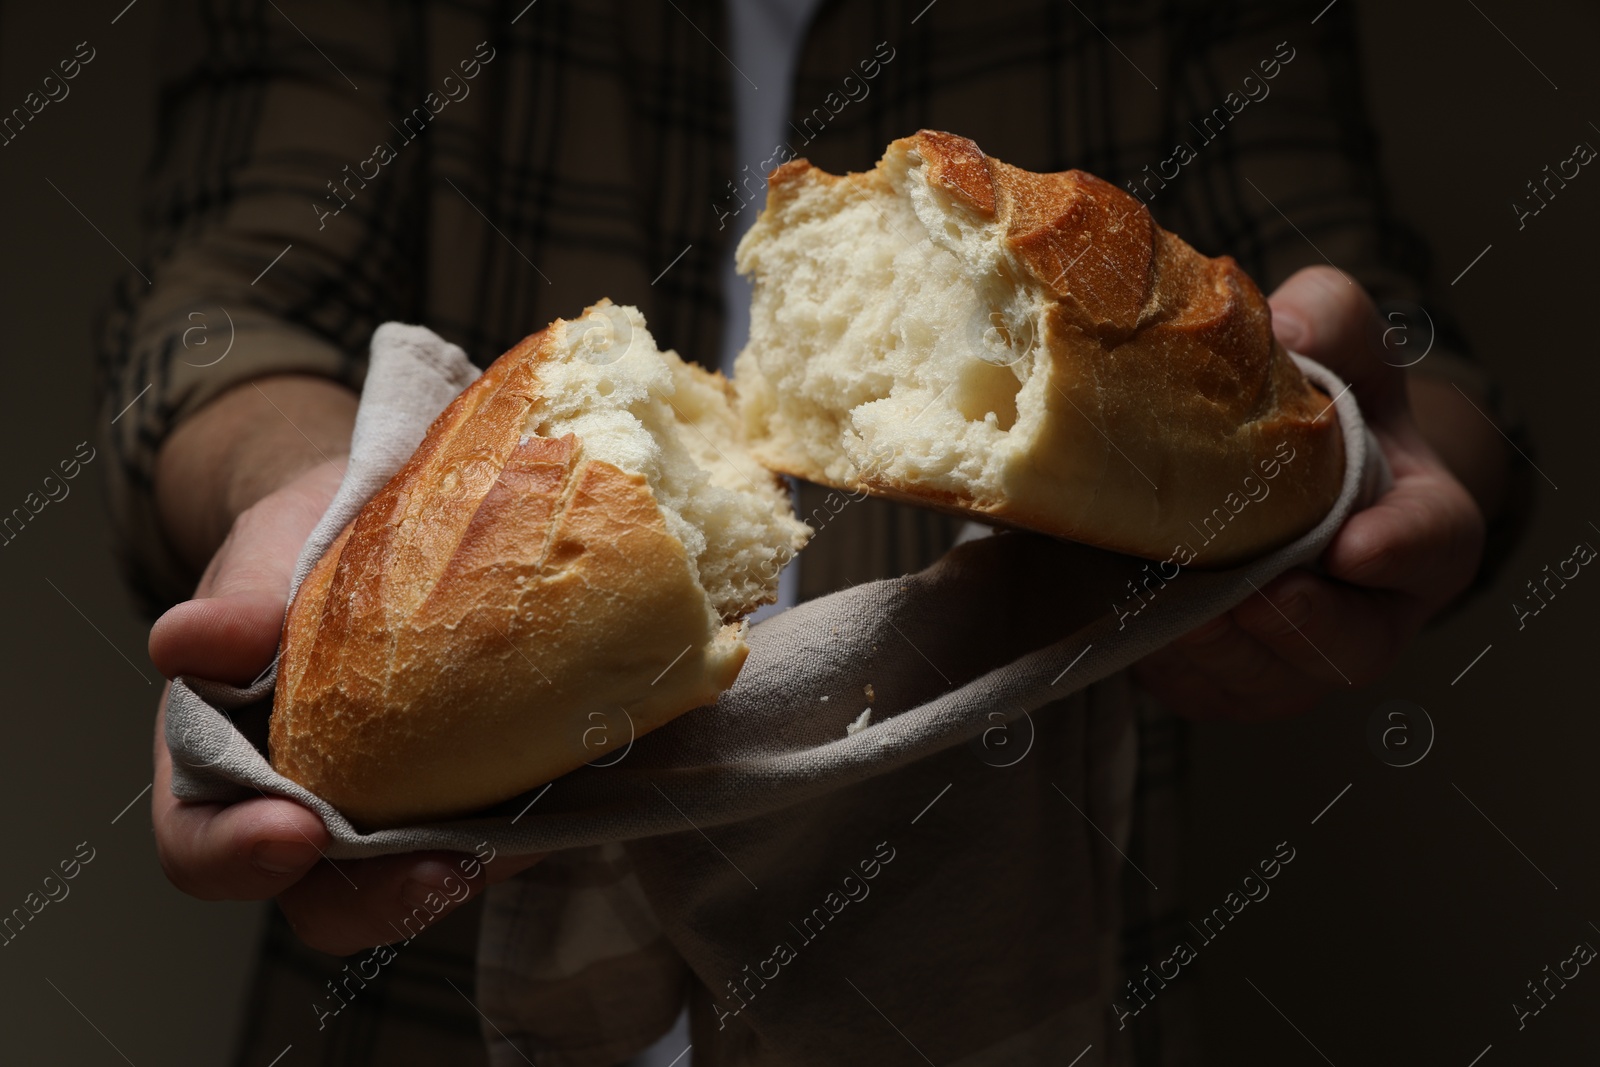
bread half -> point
(1026, 349)
(562, 566)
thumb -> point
(1324, 314)
(227, 638)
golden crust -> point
(1166, 386)
(493, 618)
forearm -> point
(241, 446)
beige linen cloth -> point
(938, 885)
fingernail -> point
(278, 858)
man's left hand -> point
(1388, 569)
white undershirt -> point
(766, 36)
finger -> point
(246, 851)
(1181, 687)
(1422, 538)
(1196, 691)
(1255, 682)
(344, 906)
(250, 850)
(1223, 650)
(1339, 635)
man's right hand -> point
(267, 846)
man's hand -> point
(1389, 568)
(268, 846)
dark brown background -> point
(1407, 924)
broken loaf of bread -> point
(1025, 349)
(564, 564)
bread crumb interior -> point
(872, 349)
(648, 412)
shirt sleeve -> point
(278, 233)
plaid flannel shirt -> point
(484, 166)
